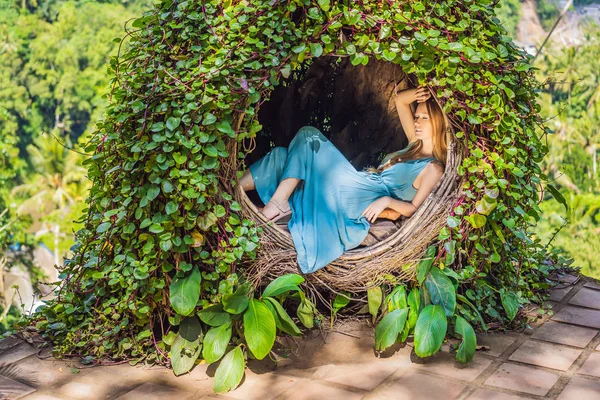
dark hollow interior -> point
(352, 105)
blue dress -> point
(327, 203)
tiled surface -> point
(546, 355)
(360, 376)
(569, 335)
(581, 389)
(591, 366)
(587, 298)
(484, 394)
(578, 316)
(560, 293)
(592, 285)
(558, 357)
(523, 379)
(12, 389)
(444, 363)
(316, 390)
(95, 385)
(153, 391)
(17, 353)
(496, 342)
(414, 385)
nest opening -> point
(354, 108)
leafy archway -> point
(164, 238)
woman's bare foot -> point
(275, 210)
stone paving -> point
(557, 357)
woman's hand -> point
(422, 94)
(408, 96)
(375, 208)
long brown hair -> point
(439, 139)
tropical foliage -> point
(571, 106)
(53, 57)
(157, 274)
(163, 239)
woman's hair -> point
(439, 139)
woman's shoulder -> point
(435, 167)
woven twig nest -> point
(398, 254)
(359, 268)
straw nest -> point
(360, 268)
(398, 254)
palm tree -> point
(57, 184)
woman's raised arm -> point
(403, 99)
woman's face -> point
(423, 127)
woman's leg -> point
(282, 194)
(290, 169)
(247, 182)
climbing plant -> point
(163, 238)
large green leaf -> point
(282, 318)
(259, 328)
(405, 332)
(430, 330)
(183, 355)
(187, 346)
(374, 297)
(388, 329)
(425, 264)
(306, 313)
(467, 347)
(414, 304)
(441, 290)
(236, 303)
(510, 302)
(230, 371)
(191, 329)
(341, 300)
(215, 342)
(283, 284)
(214, 315)
(396, 299)
(184, 292)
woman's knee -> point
(279, 152)
(308, 133)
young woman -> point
(330, 202)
